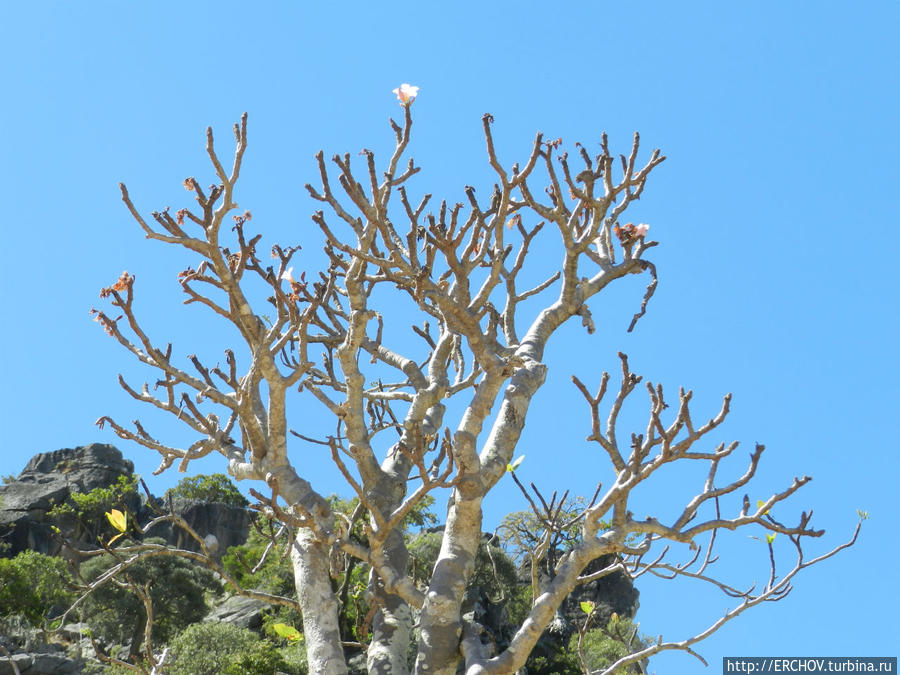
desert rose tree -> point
(447, 416)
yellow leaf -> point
(515, 465)
(117, 519)
(288, 632)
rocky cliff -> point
(51, 477)
(48, 479)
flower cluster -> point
(296, 286)
(406, 93)
(123, 284)
(630, 233)
(107, 323)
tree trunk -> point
(441, 628)
(311, 560)
(387, 654)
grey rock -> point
(53, 664)
(40, 664)
(240, 611)
(224, 525)
(22, 661)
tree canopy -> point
(491, 280)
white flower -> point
(641, 230)
(287, 275)
(406, 93)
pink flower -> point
(641, 230)
(406, 93)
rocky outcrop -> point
(34, 657)
(222, 525)
(611, 594)
(240, 611)
(51, 477)
(48, 479)
(40, 664)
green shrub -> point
(32, 585)
(262, 658)
(216, 487)
(276, 575)
(295, 659)
(222, 649)
(177, 591)
(604, 647)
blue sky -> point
(776, 214)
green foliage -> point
(222, 649)
(421, 515)
(295, 659)
(216, 487)
(8, 478)
(263, 658)
(177, 591)
(522, 531)
(554, 662)
(275, 575)
(518, 604)
(89, 508)
(603, 647)
(32, 584)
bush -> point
(222, 649)
(177, 590)
(213, 488)
(276, 575)
(32, 585)
(604, 647)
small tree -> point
(461, 267)
(32, 585)
(214, 488)
(176, 588)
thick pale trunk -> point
(441, 628)
(387, 654)
(311, 560)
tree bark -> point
(311, 560)
(387, 654)
(441, 628)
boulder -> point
(240, 611)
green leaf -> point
(515, 465)
(863, 515)
(770, 537)
(759, 504)
(117, 519)
(587, 606)
(288, 632)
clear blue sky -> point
(776, 211)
